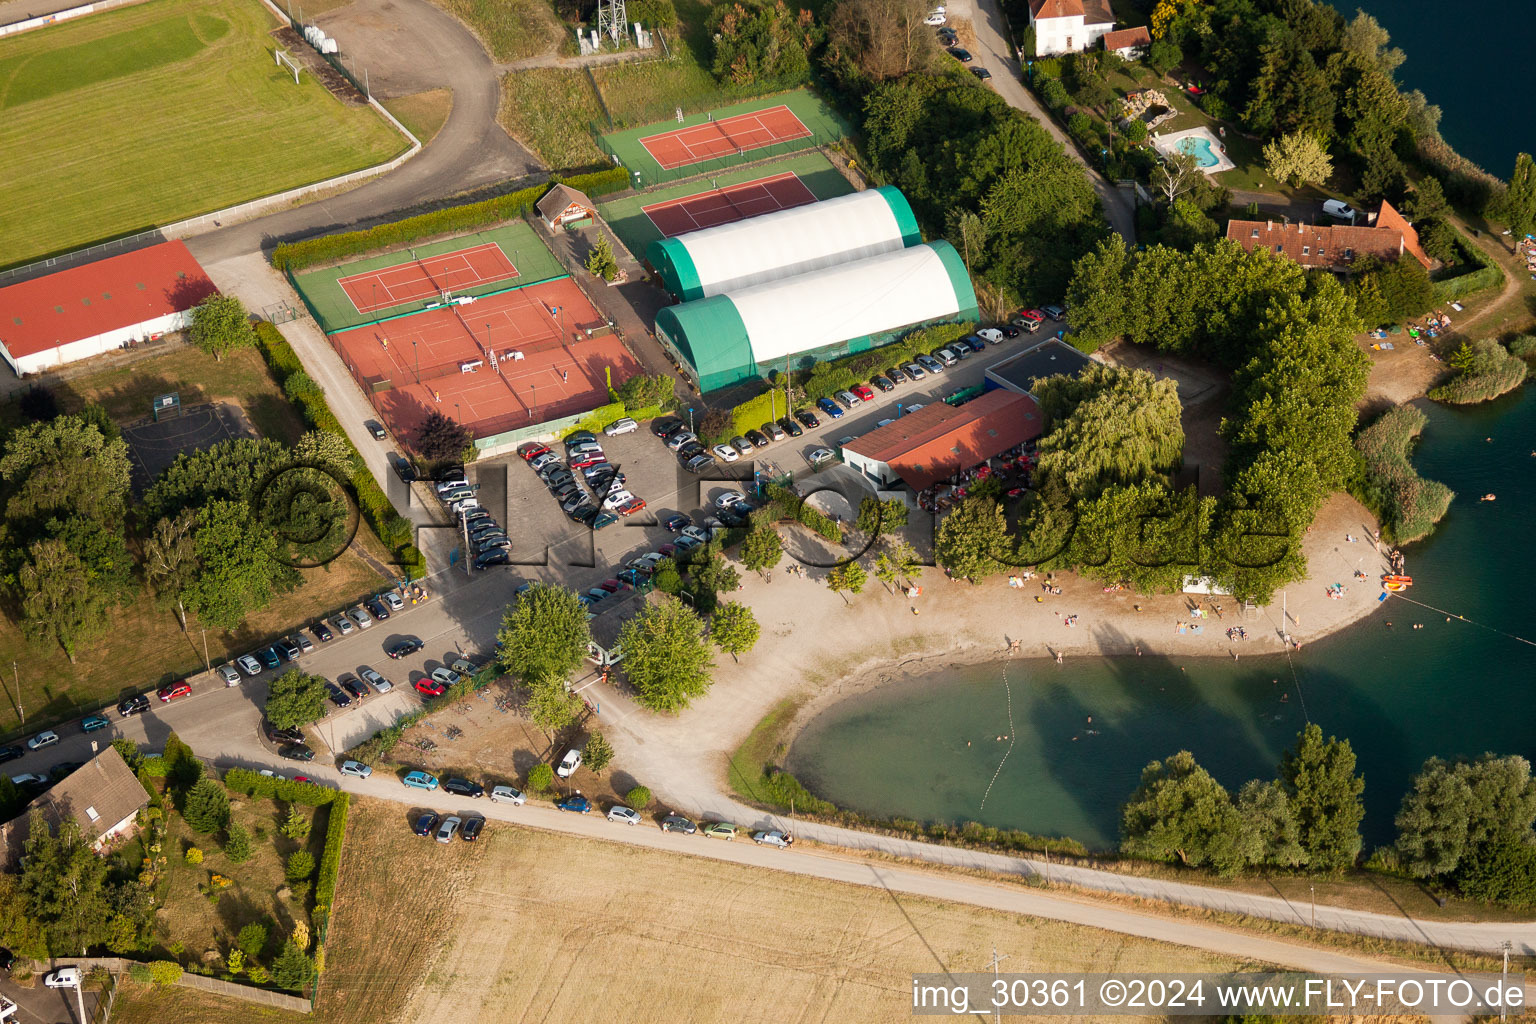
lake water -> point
(1473, 60)
(1398, 694)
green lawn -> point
(149, 114)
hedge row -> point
(253, 783)
(330, 859)
(1488, 275)
(392, 529)
(606, 415)
(292, 256)
(786, 505)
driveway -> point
(39, 1005)
(993, 53)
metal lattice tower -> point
(612, 20)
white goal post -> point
(281, 57)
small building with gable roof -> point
(564, 205)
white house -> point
(99, 307)
(1130, 43)
(1066, 26)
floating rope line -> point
(1463, 618)
(1297, 680)
(1012, 738)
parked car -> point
(429, 687)
(621, 426)
(491, 558)
(917, 369)
(1057, 313)
(297, 752)
(277, 735)
(172, 691)
(882, 384)
(322, 632)
(988, 334)
(344, 625)
(945, 356)
(680, 438)
(420, 780)
(229, 674)
(930, 364)
(1008, 330)
(773, 838)
(337, 695)
(135, 705)
(822, 456)
(11, 754)
(90, 723)
(287, 649)
(1340, 209)
(569, 763)
(895, 375)
(473, 826)
(449, 826)
(403, 469)
(678, 823)
(947, 36)
(46, 738)
(665, 425)
(508, 795)
(960, 54)
(249, 665)
(530, 450)
(64, 977)
(269, 657)
(757, 438)
(720, 830)
(373, 679)
(864, 392)
(410, 645)
(356, 769)
(829, 407)
(29, 779)
(791, 428)
(576, 804)
(808, 418)
(426, 824)
(376, 609)
(395, 601)
(354, 687)
(725, 453)
(772, 431)
(698, 464)
(935, 19)
(631, 506)
(981, 73)
(624, 815)
(1029, 319)
(463, 787)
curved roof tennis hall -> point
(784, 243)
(848, 308)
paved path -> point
(997, 57)
(409, 45)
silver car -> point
(508, 794)
(450, 826)
(373, 679)
(356, 769)
(344, 625)
(624, 815)
(362, 618)
(231, 675)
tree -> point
(761, 44)
(324, 448)
(638, 798)
(1502, 872)
(850, 576)
(666, 656)
(292, 969)
(761, 549)
(297, 825)
(598, 753)
(969, 231)
(1432, 821)
(544, 635)
(972, 540)
(1298, 157)
(1108, 426)
(58, 601)
(886, 570)
(1364, 37)
(1096, 298)
(551, 705)
(238, 568)
(170, 559)
(1516, 205)
(540, 778)
(643, 391)
(884, 39)
(63, 886)
(1175, 174)
(128, 750)
(294, 699)
(734, 628)
(1319, 778)
(1188, 226)
(220, 324)
(440, 439)
(1427, 200)
(1164, 55)
(1179, 811)
(1269, 829)
(65, 465)
(299, 866)
(237, 847)
(252, 940)
(206, 807)
(717, 575)
(600, 261)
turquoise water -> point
(1201, 148)
(927, 748)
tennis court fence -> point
(651, 173)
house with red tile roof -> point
(1129, 43)
(99, 307)
(1067, 26)
(938, 440)
(1332, 247)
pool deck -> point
(1169, 144)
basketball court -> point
(726, 136)
(731, 203)
(491, 363)
(155, 442)
(424, 278)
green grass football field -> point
(146, 115)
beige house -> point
(564, 205)
(102, 796)
(1068, 26)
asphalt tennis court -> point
(712, 141)
(631, 218)
(496, 258)
(502, 361)
(154, 446)
(731, 203)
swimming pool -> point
(1201, 150)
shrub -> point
(140, 973)
(330, 857)
(540, 778)
(1523, 346)
(154, 767)
(1502, 872)
(1135, 130)
(237, 843)
(165, 972)
(1048, 68)
(235, 961)
(299, 866)
(1080, 125)
(259, 975)
(253, 783)
(292, 969)
(206, 808)
(1486, 370)
(598, 753)
(1409, 505)
(1054, 94)
(638, 798)
(296, 826)
(252, 940)
(194, 855)
(129, 751)
(784, 790)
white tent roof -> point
(789, 242)
(831, 306)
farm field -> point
(149, 114)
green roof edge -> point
(959, 278)
(911, 234)
(675, 264)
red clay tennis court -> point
(732, 203)
(427, 277)
(499, 362)
(725, 137)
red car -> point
(631, 506)
(1029, 319)
(174, 690)
(531, 450)
(429, 687)
(583, 461)
(864, 392)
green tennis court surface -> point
(824, 124)
(335, 311)
(628, 220)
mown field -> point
(149, 114)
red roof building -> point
(1128, 41)
(102, 306)
(938, 440)
(1331, 246)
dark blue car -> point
(578, 804)
(268, 657)
(830, 407)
